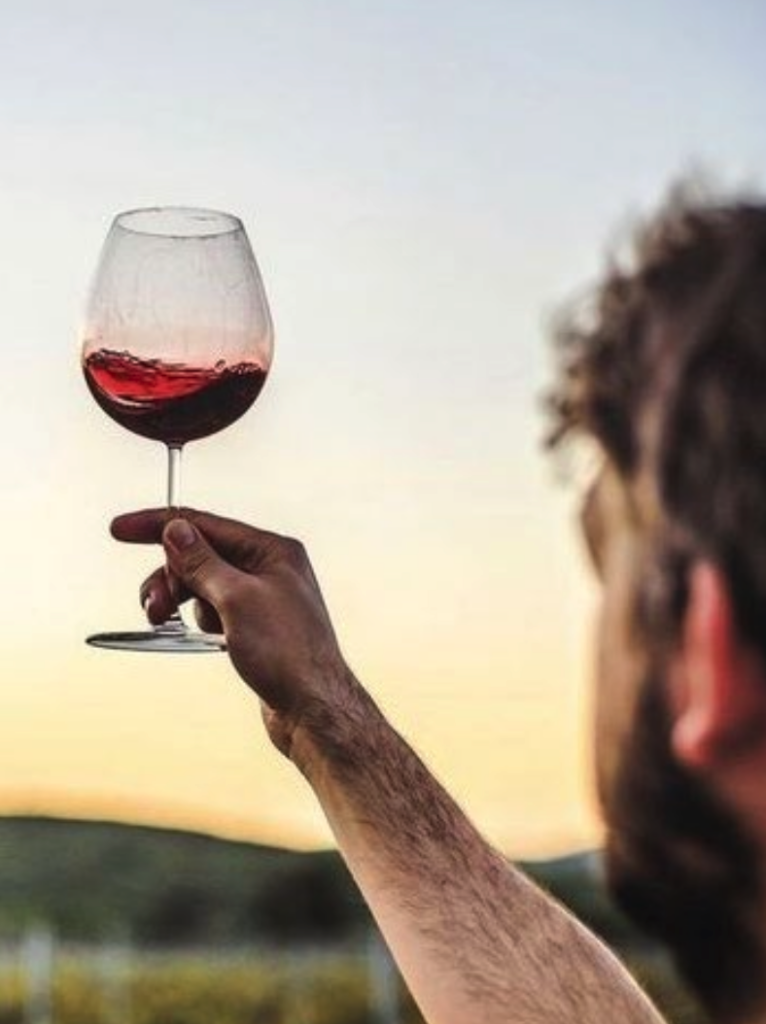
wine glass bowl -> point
(177, 344)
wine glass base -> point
(166, 641)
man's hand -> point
(258, 589)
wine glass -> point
(177, 344)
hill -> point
(93, 881)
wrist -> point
(334, 731)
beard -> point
(682, 866)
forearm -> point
(476, 941)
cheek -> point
(619, 671)
(607, 713)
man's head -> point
(666, 370)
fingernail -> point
(180, 534)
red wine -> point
(171, 402)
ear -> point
(718, 697)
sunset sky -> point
(422, 183)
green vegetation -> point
(188, 991)
(182, 990)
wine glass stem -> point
(174, 476)
(175, 623)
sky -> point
(423, 184)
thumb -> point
(194, 562)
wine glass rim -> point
(146, 220)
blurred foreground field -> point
(115, 986)
(249, 987)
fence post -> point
(37, 959)
(384, 981)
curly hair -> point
(666, 369)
